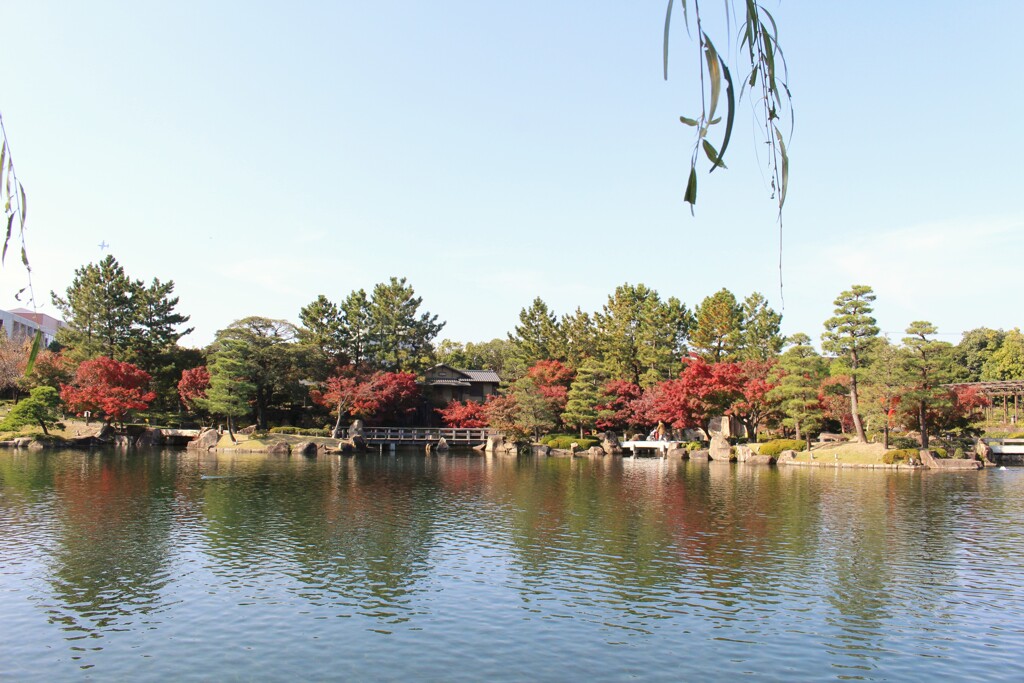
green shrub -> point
(563, 441)
(283, 430)
(776, 446)
(958, 454)
(1016, 435)
(903, 442)
(288, 429)
(899, 455)
(694, 446)
(939, 452)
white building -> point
(22, 323)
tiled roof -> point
(482, 375)
(448, 382)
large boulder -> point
(106, 433)
(983, 451)
(36, 445)
(494, 443)
(279, 448)
(610, 443)
(699, 455)
(720, 449)
(22, 441)
(442, 445)
(307, 448)
(541, 449)
(150, 437)
(595, 450)
(743, 453)
(206, 440)
(247, 430)
(760, 459)
(677, 453)
(355, 429)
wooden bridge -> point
(1002, 447)
(419, 436)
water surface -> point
(164, 565)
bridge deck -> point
(1006, 446)
(417, 436)
(660, 446)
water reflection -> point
(856, 574)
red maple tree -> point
(464, 415)
(552, 378)
(192, 385)
(384, 397)
(622, 408)
(107, 388)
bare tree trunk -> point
(797, 423)
(858, 426)
(921, 408)
(337, 424)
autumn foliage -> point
(383, 397)
(193, 385)
(107, 388)
(464, 415)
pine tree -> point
(322, 330)
(849, 335)
(759, 337)
(584, 396)
(100, 309)
(927, 368)
(230, 391)
(355, 328)
(400, 337)
(798, 388)
(640, 337)
(717, 333)
(538, 336)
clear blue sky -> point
(260, 154)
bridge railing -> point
(1006, 446)
(424, 434)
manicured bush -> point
(287, 429)
(1016, 435)
(694, 446)
(903, 442)
(958, 454)
(564, 441)
(899, 455)
(939, 452)
(778, 445)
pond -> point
(168, 565)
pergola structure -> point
(993, 390)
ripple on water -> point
(461, 568)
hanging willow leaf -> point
(23, 206)
(664, 49)
(689, 122)
(715, 74)
(691, 188)
(24, 256)
(7, 240)
(37, 344)
(785, 168)
(730, 100)
(712, 154)
(3, 158)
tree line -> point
(639, 360)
